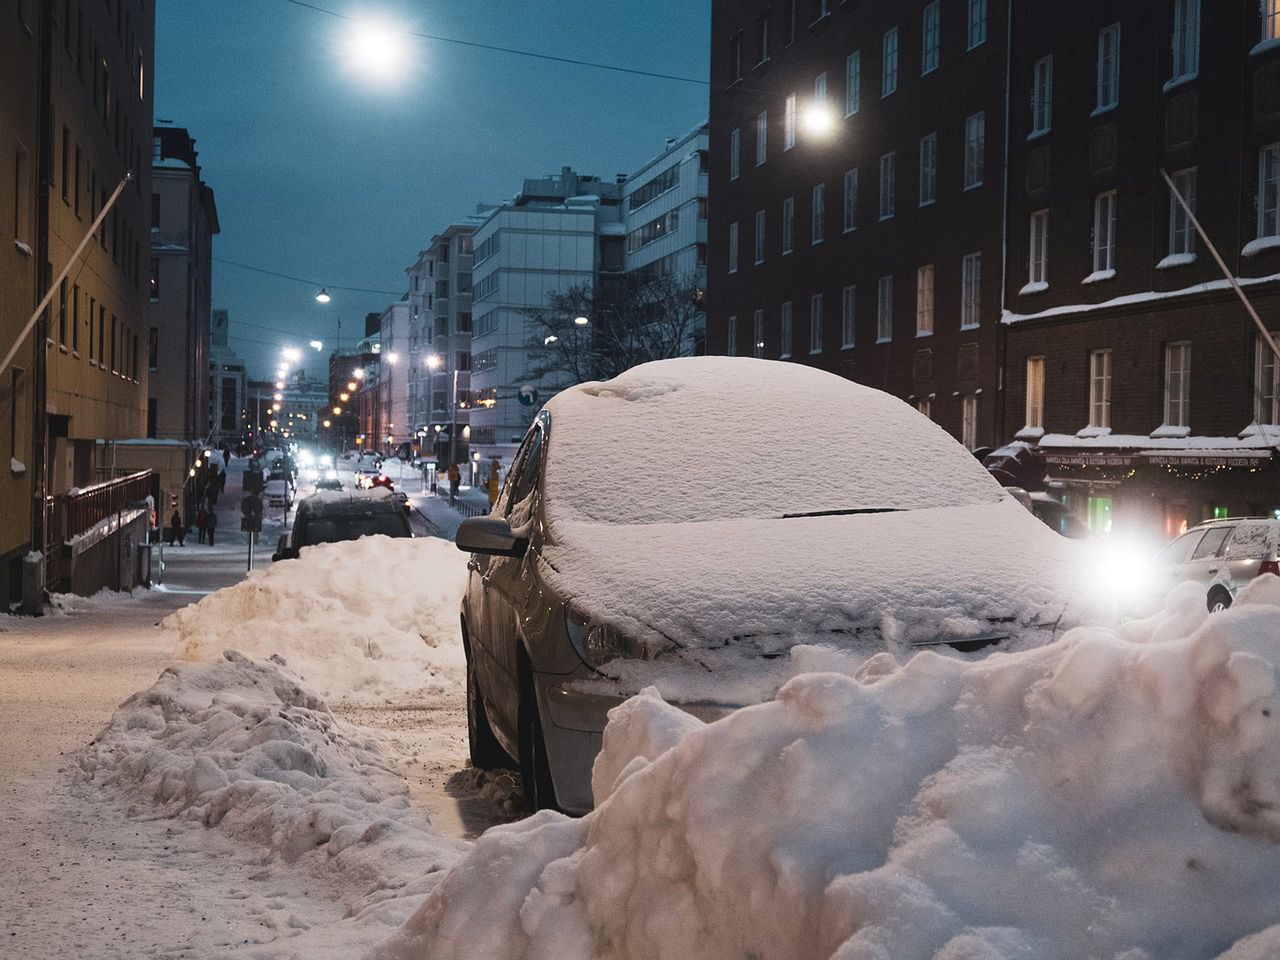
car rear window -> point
(337, 529)
(1177, 551)
(1251, 541)
(1211, 542)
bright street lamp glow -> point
(323, 296)
(358, 374)
(351, 386)
(291, 354)
(344, 397)
(278, 396)
(434, 360)
(393, 358)
(337, 411)
(819, 120)
(377, 50)
(550, 340)
(317, 345)
(581, 321)
(279, 384)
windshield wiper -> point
(841, 513)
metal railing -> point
(68, 515)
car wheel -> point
(486, 752)
(535, 769)
(1218, 601)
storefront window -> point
(1220, 513)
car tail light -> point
(1269, 566)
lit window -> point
(969, 420)
(1266, 383)
(975, 137)
(815, 323)
(889, 73)
(1109, 67)
(924, 300)
(1100, 388)
(784, 324)
(820, 89)
(1270, 19)
(848, 314)
(1177, 384)
(1042, 96)
(789, 123)
(884, 310)
(1035, 392)
(1182, 234)
(762, 137)
(925, 406)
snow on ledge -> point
(1256, 246)
(1038, 286)
(1264, 46)
(23, 248)
(1131, 299)
(1029, 433)
(1166, 432)
(17, 467)
(1099, 275)
(1176, 260)
(1091, 432)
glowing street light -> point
(393, 358)
(344, 397)
(337, 411)
(323, 296)
(819, 120)
(377, 50)
(278, 396)
(351, 387)
(581, 321)
(434, 361)
(317, 344)
(358, 373)
(291, 354)
(328, 424)
(548, 341)
(279, 384)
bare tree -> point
(647, 321)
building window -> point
(1182, 234)
(1035, 392)
(75, 318)
(924, 300)
(75, 204)
(887, 186)
(1109, 67)
(735, 58)
(970, 291)
(1177, 384)
(884, 310)
(1186, 39)
(928, 169)
(762, 36)
(932, 38)
(848, 316)
(924, 406)
(1269, 191)
(1038, 257)
(155, 211)
(788, 224)
(969, 420)
(735, 153)
(784, 324)
(819, 212)
(757, 348)
(762, 137)
(889, 72)
(1270, 19)
(975, 138)
(1266, 383)
(789, 123)
(1100, 388)
(66, 164)
(851, 200)
(731, 347)
(1104, 233)
(21, 202)
(977, 23)
(820, 89)
(853, 83)
(815, 323)
(759, 236)
(733, 248)
(154, 283)
(1042, 96)
(790, 23)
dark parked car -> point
(331, 517)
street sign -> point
(527, 395)
(251, 513)
(252, 481)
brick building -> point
(856, 196)
(1129, 358)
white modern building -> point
(228, 400)
(666, 216)
(395, 354)
(562, 231)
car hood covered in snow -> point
(868, 581)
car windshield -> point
(352, 527)
(658, 446)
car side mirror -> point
(491, 536)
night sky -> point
(327, 174)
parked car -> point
(1222, 555)
(277, 494)
(671, 528)
(332, 517)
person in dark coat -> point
(176, 530)
(202, 522)
(213, 525)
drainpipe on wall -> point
(1001, 333)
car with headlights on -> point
(673, 527)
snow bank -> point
(372, 619)
(1115, 795)
(242, 746)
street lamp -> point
(434, 361)
(580, 321)
(819, 120)
(317, 344)
(323, 296)
(291, 354)
(548, 341)
(393, 358)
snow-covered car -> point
(1222, 556)
(333, 516)
(672, 528)
(277, 494)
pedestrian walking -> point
(213, 525)
(179, 529)
(226, 457)
(455, 478)
(202, 522)
(175, 524)
(493, 482)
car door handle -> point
(1213, 569)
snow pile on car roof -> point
(242, 746)
(1115, 795)
(717, 438)
(369, 619)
